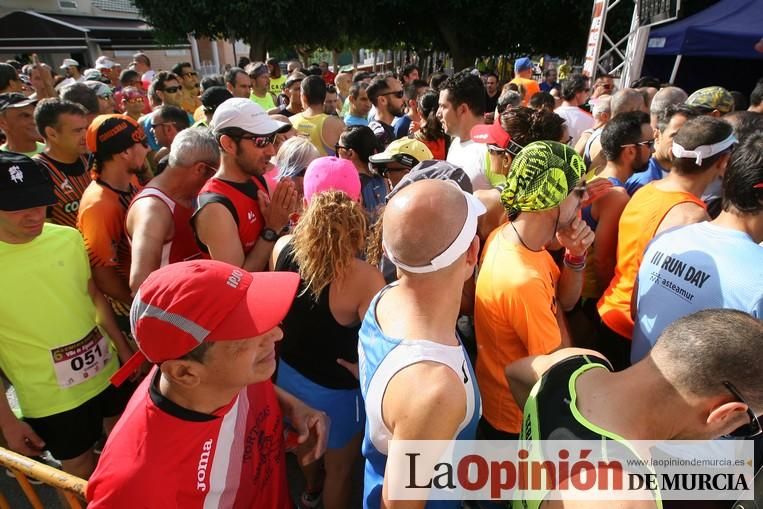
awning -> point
(29, 31)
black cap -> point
(214, 97)
(24, 184)
(15, 100)
(437, 170)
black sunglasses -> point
(338, 146)
(399, 94)
(260, 141)
(171, 90)
(751, 429)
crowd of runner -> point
(216, 272)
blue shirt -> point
(638, 180)
(350, 120)
(691, 268)
(545, 87)
(401, 125)
(381, 357)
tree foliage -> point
(464, 28)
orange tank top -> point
(638, 224)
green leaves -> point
(467, 28)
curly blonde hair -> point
(327, 238)
(374, 249)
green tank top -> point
(276, 84)
(266, 103)
(551, 413)
(312, 128)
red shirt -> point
(241, 200)
(183, 245)
(161, 455)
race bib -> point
(77, 362)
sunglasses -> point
(645, 143)
(171, 90)
(260, 141)
(133, 100)
(338, 146)
(106, 96)
(189, 73)
(513, 149)
(751, 429)
(399, 94)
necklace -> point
(556, 226)
(520, 238)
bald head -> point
(422, 220)
(628, 99)
(666, 97)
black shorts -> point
(71, 433)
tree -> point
(464, 28)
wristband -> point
(574, 267)
(572, 259)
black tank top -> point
(312, 339)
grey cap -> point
(434, 169)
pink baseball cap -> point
(183, 304)
(491, 134)
(331, 174)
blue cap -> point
(520, 64)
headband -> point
(475, 208)
(703, 151)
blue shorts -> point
(343, 406)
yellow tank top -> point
(312, 128)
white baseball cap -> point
(69, 62)
(244, 114)
(104, 62)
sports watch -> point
(269, 234)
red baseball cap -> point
(491, 134)
(183, 304)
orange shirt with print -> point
(514, 317)
(101, 220)
(531, 88)
(638, 223)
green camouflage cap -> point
(542, 175)
(714, 98)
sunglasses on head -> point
(171, 90)
(260, 141)
(399, 94)
(751, 429)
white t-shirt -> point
(470, 157)
(576, 120)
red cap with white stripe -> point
(183, 304)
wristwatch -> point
(269, 234)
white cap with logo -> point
(242, 113)
(103, 62)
